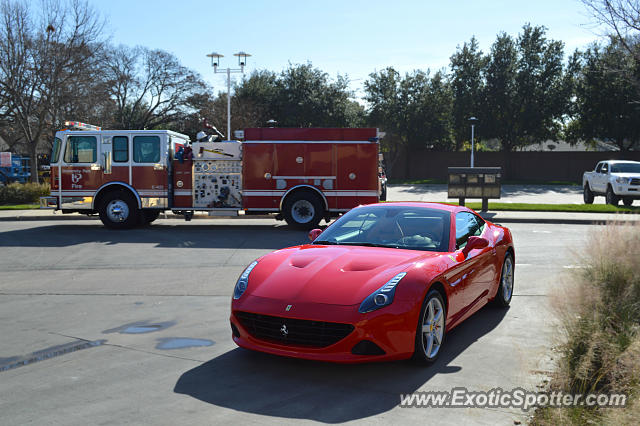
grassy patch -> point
(20, 207)
(599, 309)
(550, 182)
(571, 208)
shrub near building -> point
(23, 193)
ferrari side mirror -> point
(474, 243)
(313, 234)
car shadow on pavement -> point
(163, 236)
(269, 385)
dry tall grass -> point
(600, 313)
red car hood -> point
(338, 275)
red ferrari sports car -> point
(384, 281)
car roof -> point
(620, 161)
(421, 204)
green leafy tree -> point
(501, 91)
(300, 96)
(526, 89)
(605, 107)
(414, 111)
(468, 66)
(382, 93)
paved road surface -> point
(155, 304)
(543, 194)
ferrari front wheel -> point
(505, 289)
(431, 328)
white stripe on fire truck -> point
(305, 142)
(350, 193)
(303, 177)
(151, 193)
(252, 193)
(78, 194)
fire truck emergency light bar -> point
(80, 126)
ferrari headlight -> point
(382, 296)
(243, 281)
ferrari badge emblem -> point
(284, 331)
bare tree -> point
(622, 17)
(43, 53)
(150, 88)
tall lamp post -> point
(473, 125)
(215, 62)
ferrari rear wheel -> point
(505, 289)
(431, 328)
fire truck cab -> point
(129, 177)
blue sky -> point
(349, 37)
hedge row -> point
(23, 193)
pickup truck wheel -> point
(587, 195)
(627, 201)
(303, 210)
(118, 210)
(611, 197)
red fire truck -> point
(128, 177)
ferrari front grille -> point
(295, 332)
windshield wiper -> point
(325, 242)
(366, 244)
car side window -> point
(605, 168)
(598, 167)
(467, 225)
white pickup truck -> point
(615, 179)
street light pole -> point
(215, 62)
(473, 125)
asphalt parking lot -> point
(536, 194)
(132, 327)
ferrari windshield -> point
(413, 228)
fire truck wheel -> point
(303, 210)
(118, 210)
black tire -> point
(148, 216)
(303, 210)
(611, 197)
(119, 210)
(587, 195)
(627, 201)
(383, 192)
(505, 294)
(421, 340)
